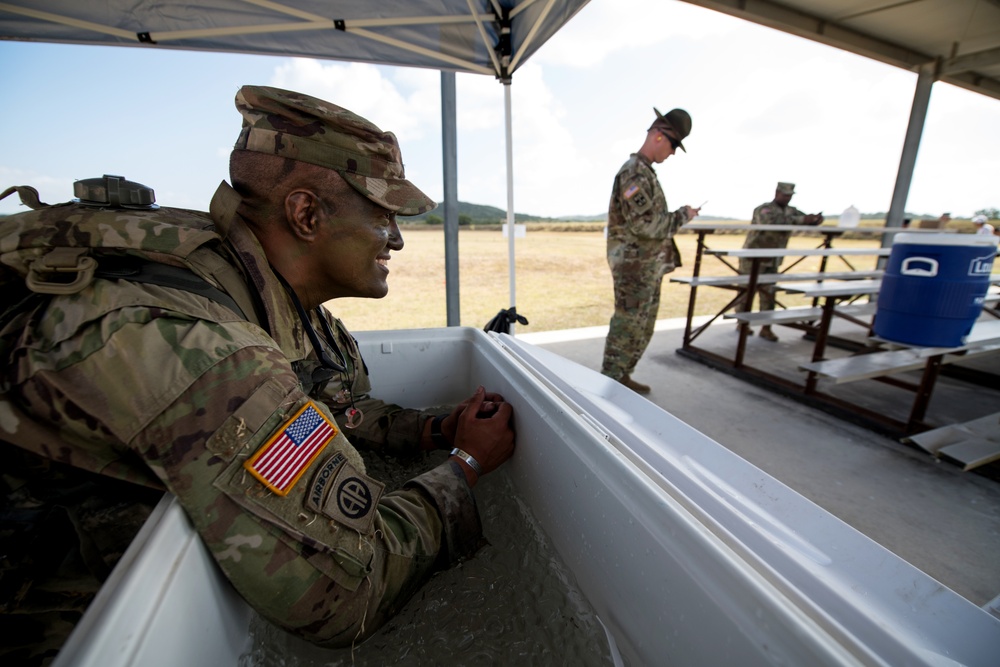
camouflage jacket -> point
(385, 427)
(170, 389)
(772, 214)
(639, 224)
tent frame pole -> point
(926, 76)
(449, 161)
(510, 195)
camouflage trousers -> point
(765, 292)
(637, 303)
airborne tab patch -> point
(321, 482)
(353, 498)
(287, 455)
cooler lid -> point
(946, 239)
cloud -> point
(395, 99)
(605, 28)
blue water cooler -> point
(933, 288)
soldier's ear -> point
(302, 213)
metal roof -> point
(961, 37)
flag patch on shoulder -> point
(283, 458)
(631, 191)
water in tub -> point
(514, 603)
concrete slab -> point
(932, 514)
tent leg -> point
(918, 113)
(449, 148)
(510, 195)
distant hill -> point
(483, 214)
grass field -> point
(562, 279)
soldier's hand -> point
(449, 425)
(485, 432)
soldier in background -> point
(776, 212)
(124, 389)
(982, 225)
(641, 249)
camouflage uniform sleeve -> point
(642, 204)
(330, 558)
(794, 216)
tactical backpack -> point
(113, 230)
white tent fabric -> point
(480, 36)
(490, 37)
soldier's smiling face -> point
(357, 239)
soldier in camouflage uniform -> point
(134, 388)
(641, 249)
(776, 212)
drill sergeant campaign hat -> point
(786, 188)
(308, 129)
(676, 120)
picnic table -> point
(746, 285)
(836, 295)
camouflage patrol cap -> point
(676, 120)
(786, 188)
(305, 128)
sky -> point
(765, 107)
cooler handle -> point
(925, 267)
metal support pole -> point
(918, 113)
(510, 195)
(449, 160)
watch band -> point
(437, 435)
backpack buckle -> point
(61, 271)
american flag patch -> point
(283, 459)
(631, 191)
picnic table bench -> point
(970, 444)
(882, 364)
(741, 280)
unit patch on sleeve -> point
(320, 486)
(352, 498)
(288, 453)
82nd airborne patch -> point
(341, 492)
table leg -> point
(745, 307)
(923, 398)
(819, 348)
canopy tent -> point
(956, 41)
(491, 37)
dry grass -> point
(562, 279)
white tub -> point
(689, 554)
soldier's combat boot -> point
(767, 334)
(637, 387)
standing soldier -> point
(776, 212)
(641, 249)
